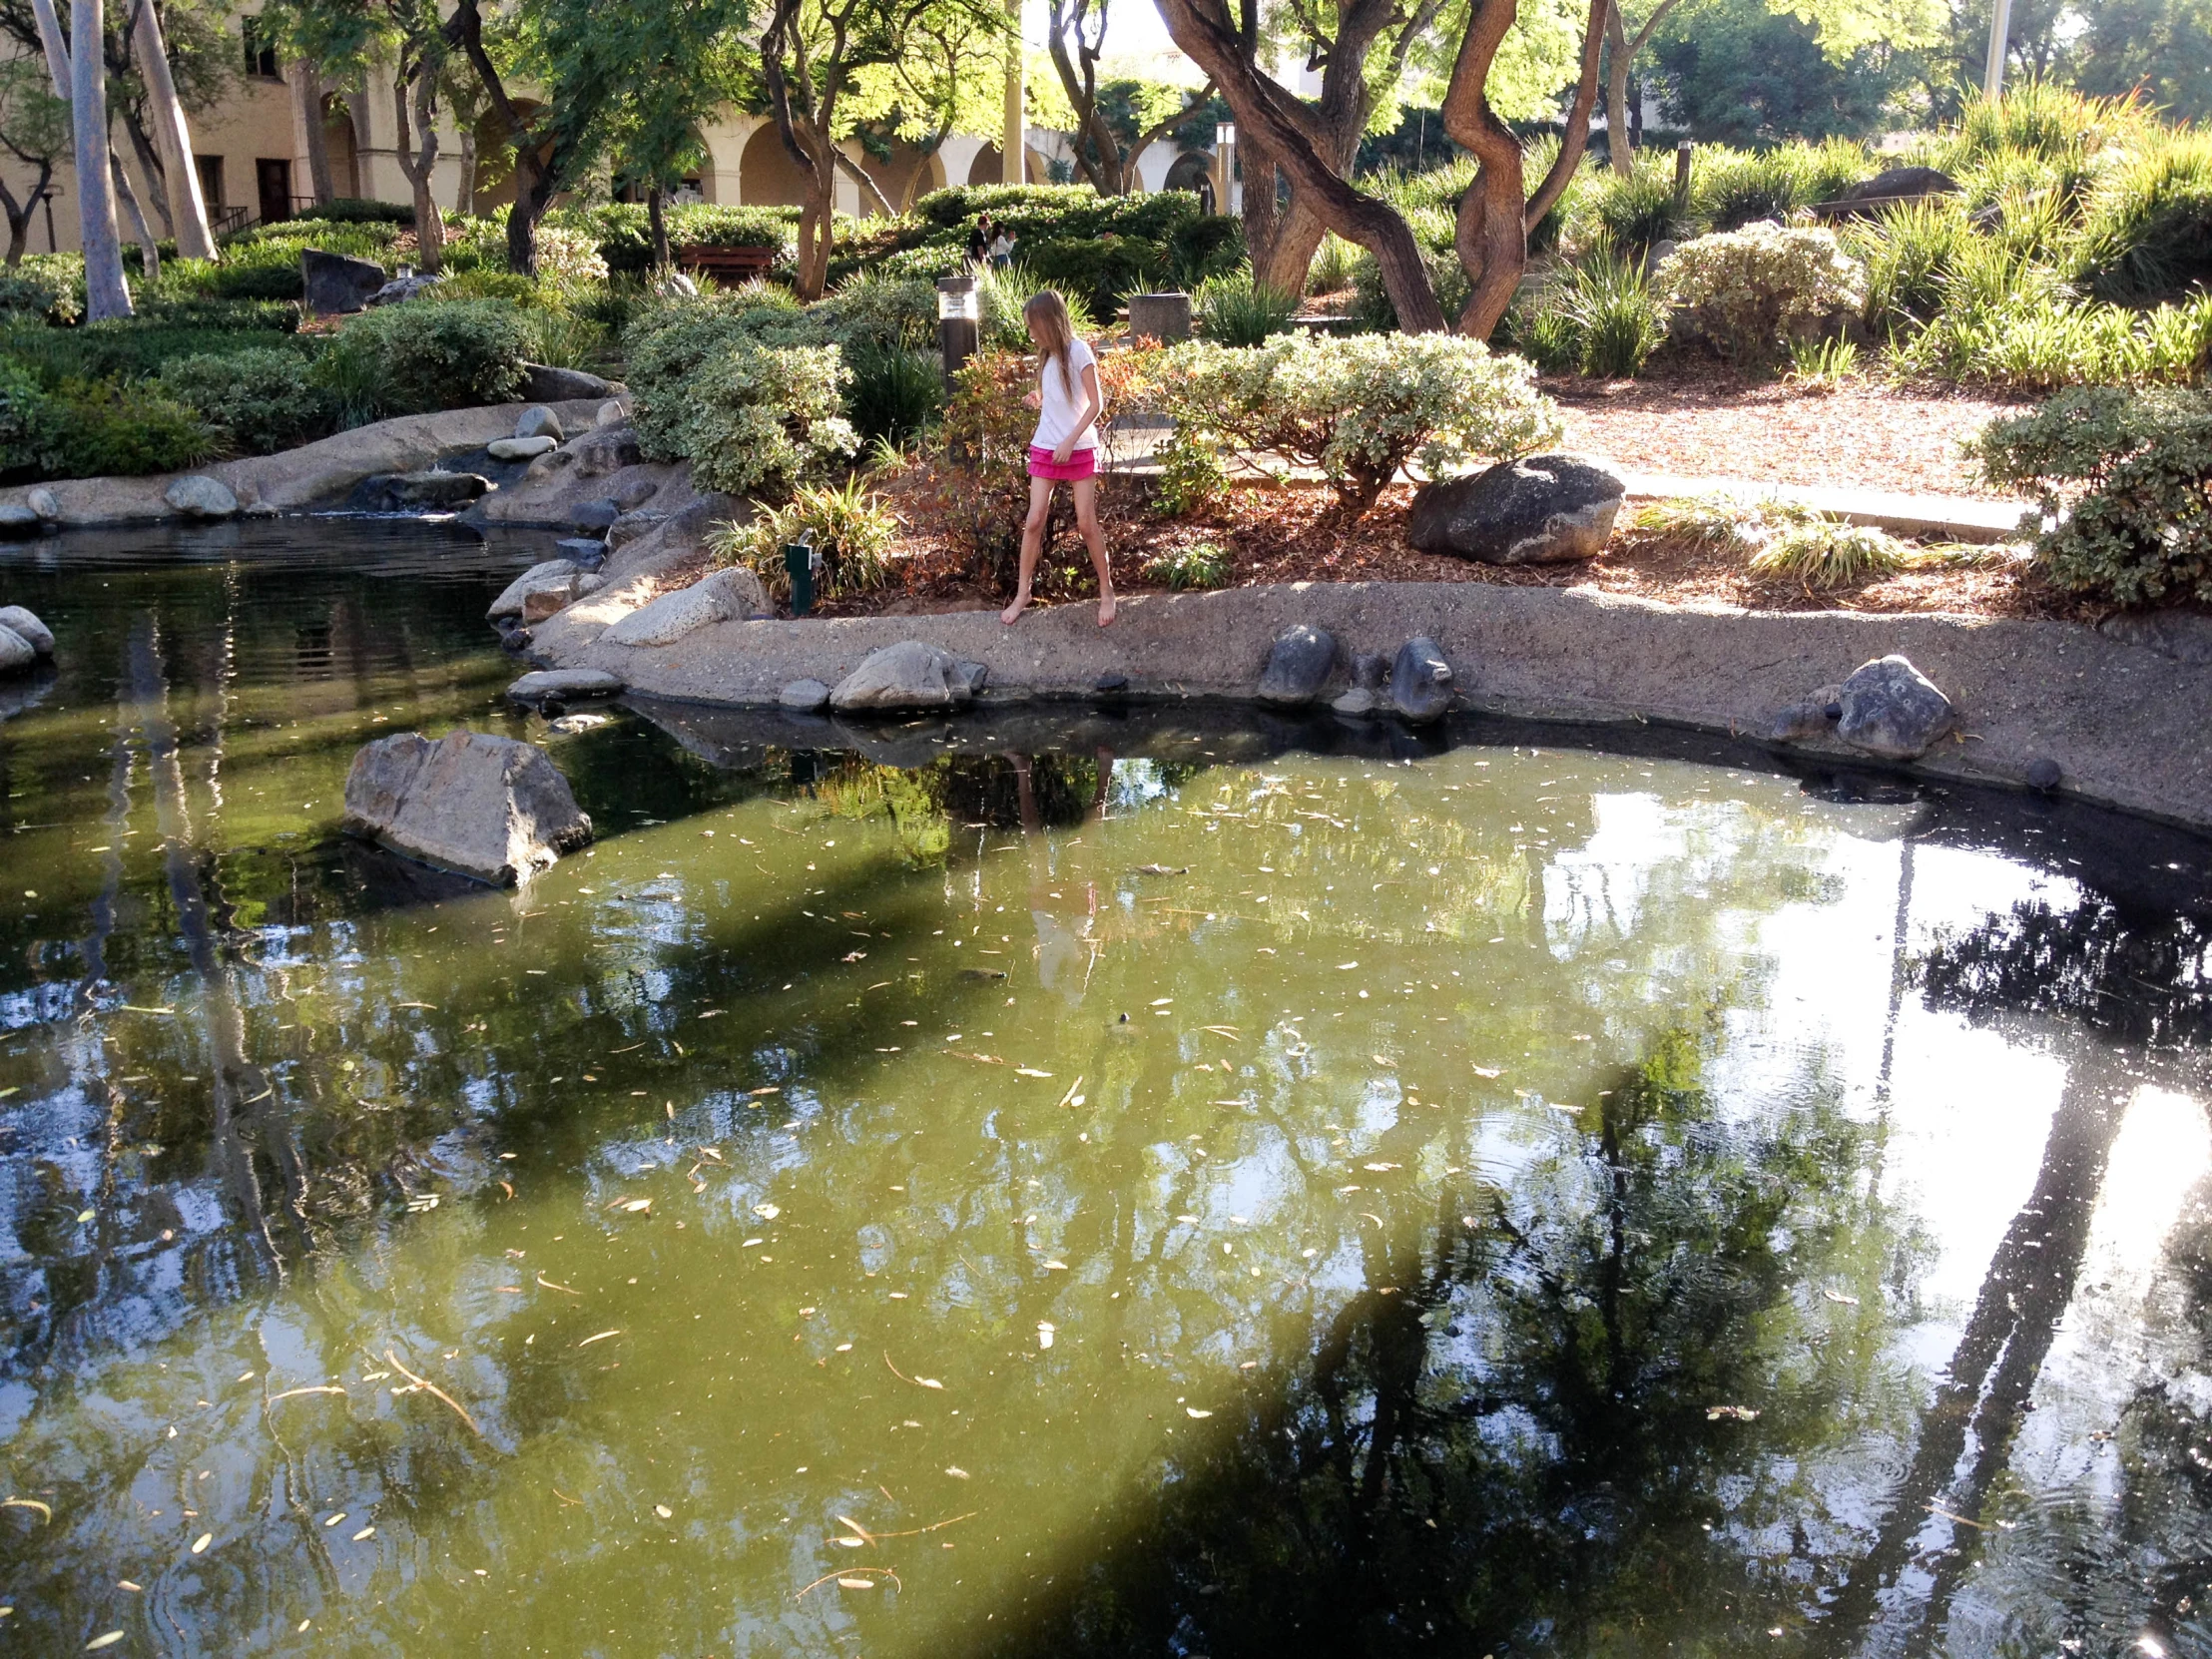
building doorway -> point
(272, 181)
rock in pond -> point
(588, 551)
(1890, 708)
(538, 422)
(1420, 682)
(399, 491)
(337, 283)
(16, 654)
(912, 674)
(17, 519)
(594, 515)
(521, 449)
(604, 449)
(550, 601)
(1545, 509)
(559, 575)
(733, 595)
(1299, 665)
(485, 806)
(20, 621)
(548, 685)
(199, 497)
(1357, 702)
(804, 697)
(2043, 774)
(45, 503)
(543, 383)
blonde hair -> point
(1047, 315)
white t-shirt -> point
(1060, 402)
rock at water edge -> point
(17, 519)
(538, 422)
(1546, 509)
(199, 497)
(1420, 682)
(587, 551)
(485, 806)
(563, 685)
(912, 674)
(35, 633)
(594, 515)
(1892, 710)
(429, 488)
(1299, 665)
(16, 654)
(520, 450)
(560, 574)
(804, 697)
(1358, 701)
(44, 502)
(733, 595)
(545, 385)
(545, 602)
(611, 413)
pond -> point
(1152, 1182)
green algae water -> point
(1160, 1183)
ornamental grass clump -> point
(1359, 408)
(847, 524)
(2136, 470)
(1751, 290)
(1201, 565)
(1829, 553)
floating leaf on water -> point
(850, 1544)
(99, 1642)
(1838, 1295)
(45, 1512)
(1732, 1413)
(1030, 1071)
(85, 1216)
(664, 1511)
(600, 1337)
(334, 1519)
(856, 1584)
(1343, 967)
(954, 1470)
(766, 1212)
(1055, 1265)
(772, 1088)
(633, 1206)
(200, 1543)
(1194, 1412)
(1379, 1169)
(1044, 1333)
(929, 1382)
(364, 1532)
(1162, 869)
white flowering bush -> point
(1752, 290)
(761, 422)
(1359, 408)
(567, 257)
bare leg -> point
(1033, 544)
(1086, 520)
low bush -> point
(2137, 470)
(622, 231)
(1822, 365)
(262, 401)
(1236, 311)
(1829, 553)
(1716, 525)
(1370, 299)
(126, 349)
(895, 392)
(850, 526)
(1638, 210)
(988, 426)
(410, 360)
(876, 309)
(1203, 248)
(761, 422)
(1000, 293)
(669, 341)
(93, 428)
(356, 209)
(1362, 407)
(1193, 477)
(1201, 565)
(484, 283)
(276, 316)
(1333, 265)
(1099, 270)
(1601, 316)
(2147, 234)
(35, 294)
(1731, 188)
(1751, 290)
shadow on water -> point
(1626, 1390)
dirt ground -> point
(1709, 421)
(1292, 533)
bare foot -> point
(1012, 612)
(1106, 611)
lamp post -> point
(1225, 145)
(959, 317)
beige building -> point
(252, 149)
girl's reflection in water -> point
(1065, 912)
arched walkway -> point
(908, 174)
(346, 154)
(986, 169)
(768, 176)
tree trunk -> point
(57, 48)
(187, 210)
(464, 199)
(1575, 140)
(1491, 232)
(418, 159)
(1617, 94)
(106, 293)
(306, 104)
(535, 187)
(814, 224)
(656, 216)
(149, 255)
(152, 170)
(19, 228)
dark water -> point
(1160, 1184)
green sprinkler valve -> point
(803, 561)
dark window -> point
(211, 180)
(272, 180)
(260, 54)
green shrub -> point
(1750, 291)
(411, 360)
(363, 241)
(1635, 212)
(96, 429)
(1100, 270)
(1906, 254)
(1616, 313)
(1203, 248)
(1335, 262)
(24, 422)
(876, 309)
(849, 526)
(35, 294)
(1000, 293)
(1201, 565)
(261, 400)
(1719, 525)
(2038, 339)
(1733, 188)
(669, 341)
(1193, 476)
(245, 316)
(1822, 365)
(355, 210)
(761, 421)
(126, 349)
(484, 283)
(1236, 311)
(2140, 528)
(895, 392)
(623, 233)
(1361, 408)
(2149, 230)
(1370, 299)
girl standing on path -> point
(1064, 448)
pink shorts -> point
(1081, 463)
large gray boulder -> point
(1299, 665)
(733, 595)
(485, 806)
(911, 675)
(44, 502)
(551, 688)
(538, 422)
(18, 519)
(543, 602)
(1420, 682)
(20, 621)
(521, 449)
(1546, 509)
(1892, 710)
(16, 653)
(335, 283)
(400, 290)
(602, 450)
(199, 497)
(554, 575)
(630, 526)
(543, 383)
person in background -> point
(1064, 448)
(979, 240)
(1002, 250)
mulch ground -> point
(1707, 420)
